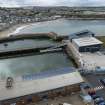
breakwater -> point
(50, 35)
(31, 51)
(38, 50)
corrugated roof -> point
(49, 73)
(82, 33)
(24, 87)
(87, 41)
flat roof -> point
(82, 33)
(26, 87)
(49, 73)
(87, 41)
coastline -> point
(13, 29)
(16, 28)
(77, 18)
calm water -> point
(67, 27)
(26, 44)
(32, 64)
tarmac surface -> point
(92, 60)
(94, 81)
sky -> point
(18, 3)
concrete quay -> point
(73, 53)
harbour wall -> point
(73, 53)
(51, 35)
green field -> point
(102, 38)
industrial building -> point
(80, 34)
(35, 87)
(87, 44)
(85, 41)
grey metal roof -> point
(49, 73)
(81, 34)
(87, 41)
(25, 87)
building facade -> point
(91, 48)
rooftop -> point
(87, 41)
(82, 33)
(49, 73)
(23, 87)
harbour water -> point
(32, 64)
(25, 44)
(66, 27)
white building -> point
(87, 44)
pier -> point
(73, 53)
(31, 51)
(50, 35)
(32, 85)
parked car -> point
(102, 81)
(94, 96)
(85, 86)
(98, 100)
(102, 103)
(86, 98)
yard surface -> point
(94, 81)
(92, 60)
(71, 99)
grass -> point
(102, 38)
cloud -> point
(6, 3)
(15, 3)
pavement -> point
(91, 60)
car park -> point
(102, 103)
(98, 100)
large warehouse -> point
(85, 41)
(87, 44)
(46, 84)
(83, 33)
